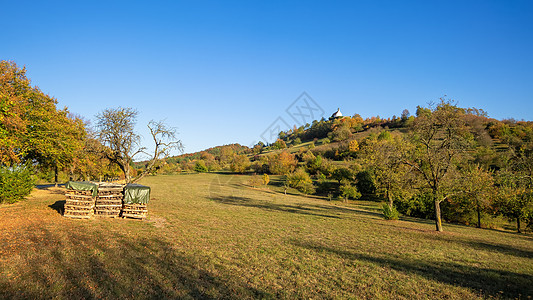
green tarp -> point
(83, 186)
(136, 194)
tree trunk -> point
(438, 221)
(389, 196)
(518, 225)
(478, 216)
(55, 175)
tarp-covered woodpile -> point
(80, 199)
(136, 199)
(109, 200)
(84, 199)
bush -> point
(15, 183)
(365, 182)
(349, 191)
(200, 167)
(255, 181)
(420, 206)
(301, 181)
(389, 213)
(266, 179)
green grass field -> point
(212, 236)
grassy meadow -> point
(212, 236)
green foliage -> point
(342, 173)
(200, 166)
(342, 133)
(389, 212)
(266, 179)
(282, 163)
(365, 182)
(348, 191)
(301, 181)
(240, 163)
(279, 144)
(420, 205)
(384, 135)
(15, 183)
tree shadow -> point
(296, 209)
(106, 265)
(491, 282)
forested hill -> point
(331, 138)
(445, 163)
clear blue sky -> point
(223, 71)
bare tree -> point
(115, 128)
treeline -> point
(38, 140)
(444, 163)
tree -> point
(342, 173)
(31, 127)
(279, 144)
(240, 163)
(282, 163)
(515, 182)
(439, 136)
(383, 158)
(116, 131)
(515, 199)
(349, 191)
(477, 186)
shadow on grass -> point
(491, 282)
(296, 209)
(105, 265)
(58, 206)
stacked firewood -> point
(79, 204)
(109, 200)
(136, 198)
(135, 210)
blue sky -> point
(224, 71)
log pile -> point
(136, 198)
(136, 211)
(109, 200)
(85, 199)
(79, 203)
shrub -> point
(389, 213)
(255, 180)
(301, 181)
(421, 205)
(266, 179)
(365, 182)
(200, 166)
(349, 191)
(15, 183)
